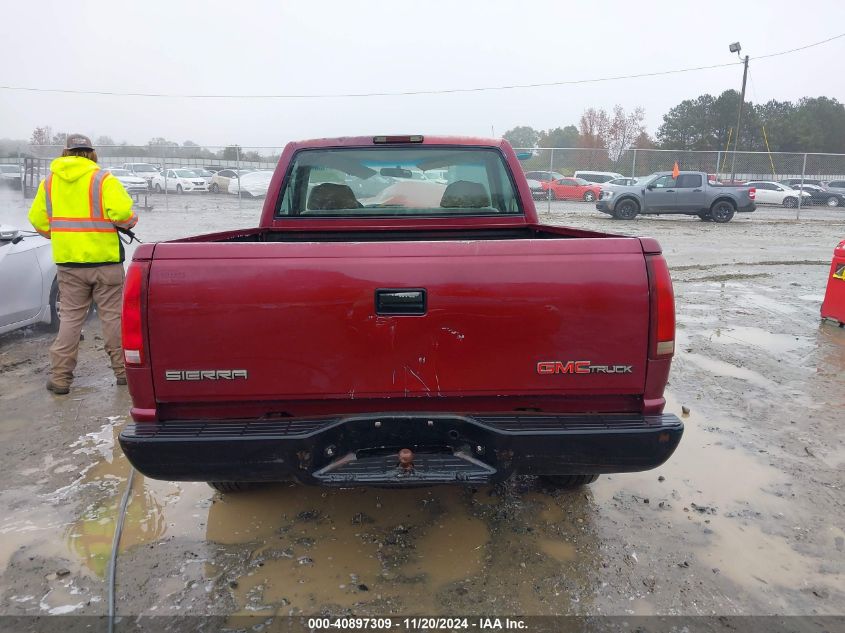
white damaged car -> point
(29, 289)
(252, 185)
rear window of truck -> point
(393, 181)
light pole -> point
(736, 48)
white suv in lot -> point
(10, 176)
(132, 184)
(179, 180)
(143, 170)
(598, 177)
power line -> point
(410, 92)
(367, 94)
(800, 48)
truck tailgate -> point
(297, 321)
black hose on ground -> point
(118, 530)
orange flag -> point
(675, 171)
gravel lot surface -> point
(746, 518)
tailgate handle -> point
(407, 301)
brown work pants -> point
(77, 287)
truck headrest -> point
(464, 194)
(329, 196)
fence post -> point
(238, 163)
(164, 169)
(22, 173)
(801, 189)
(718, 164)
(551, 169)
(634, 164)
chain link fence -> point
(32, 161)
(153, 162)
(165, 156)
(566, 161)
(642, 162)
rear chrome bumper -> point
(363, 449)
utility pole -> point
(736, 48)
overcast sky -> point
(343, 46)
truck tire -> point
(233, 486)
(589, 196)
(626, 209)
(568, 482)
(722, 211)
(790, 202)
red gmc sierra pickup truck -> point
(400, 317)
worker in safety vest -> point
(79, 207)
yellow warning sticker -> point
(840, 272)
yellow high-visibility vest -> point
(78, 207)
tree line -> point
(812, 124)
(707, 122)
(157, 147)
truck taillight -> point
(662, 338)
(752, 193)
(132, 322)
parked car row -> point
(193, 179)
(583, 185)
(589, 185)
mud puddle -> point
(773, 342)
(733, 513)
(717, 510)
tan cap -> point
(78, 141)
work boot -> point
(120, 380)
(57, 389)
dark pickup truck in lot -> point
(688, 192)
(434, 332)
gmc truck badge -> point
(205, 374)
(581, 367)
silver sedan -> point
(29, 291)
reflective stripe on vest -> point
(95, 202)
(48, 194)
(95, 193)
(81, 224)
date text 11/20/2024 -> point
(419, 623)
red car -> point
(573, 189)
(438, 333)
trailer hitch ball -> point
(406, 459)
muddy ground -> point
(748, 516)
